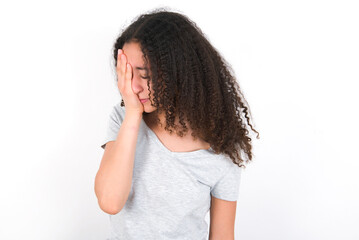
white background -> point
(296, 62)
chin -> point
(147, 110)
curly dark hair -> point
(190, 79)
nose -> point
(138, 85)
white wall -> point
(296, 61)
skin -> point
(222, 219)
(133, 56)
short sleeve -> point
(227, 187)
(114, 123)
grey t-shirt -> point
(171, 191)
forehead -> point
(134, 55)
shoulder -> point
(118, 111)
(225, 162)
(229, 171)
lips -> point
(144, 100)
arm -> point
(222, 219)
(114, 178)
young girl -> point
(173, 146)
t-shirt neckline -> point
(154, 137)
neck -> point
(151, 121)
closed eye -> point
(146, 77)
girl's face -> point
(140, 74)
